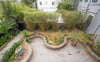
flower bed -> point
(54, 38)
(22, 53)
(65, 41)
(19, 52)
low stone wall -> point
(48, 45)
(27, 57)
(90, 52)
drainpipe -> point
(96, 29)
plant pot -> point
(74, 43)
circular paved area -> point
(66, 54)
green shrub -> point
(4, 39)
(79, 36)
(66, 4)
(9, 53)
(26, 36)
(14, 10)
(26, 33)
(72, 19)
(28, 2)
(98, 43)
(5, 27)
(40, 20)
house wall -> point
(47, 5)
(94, 27)
(93, 10)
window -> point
(40, 3)
(86, 0)
(81, 0)
(94, 0)
(46, 3)
(53, 3)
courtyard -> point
(48, 31)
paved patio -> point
(66, 54)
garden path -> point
(15, 39)
(66, 54)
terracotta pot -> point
(74, 43)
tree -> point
(28, 2)
(66, 4)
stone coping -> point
(90, 52)
(47, 44)
(27, 57)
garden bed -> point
(19, 52)
(91, 52)
(49, 45)
(54, 38)
(26, 53)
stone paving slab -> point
(66, 54)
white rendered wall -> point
(94, 26)
(92, 8)
(46, 5)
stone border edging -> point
(26, 59)
(48, 45)
(90, 52)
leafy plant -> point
(66, 4)
(4, 39)
(79, 36)
(33, 20)
(5, 25)
(72, 19)
(26, 35)
(98, 43)
(54, 38)
(10, 10)
(28, 2)
(6, 28)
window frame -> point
(94, 1)
(81, 0)
(86, 0)
(41, 3)
(53, 3)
